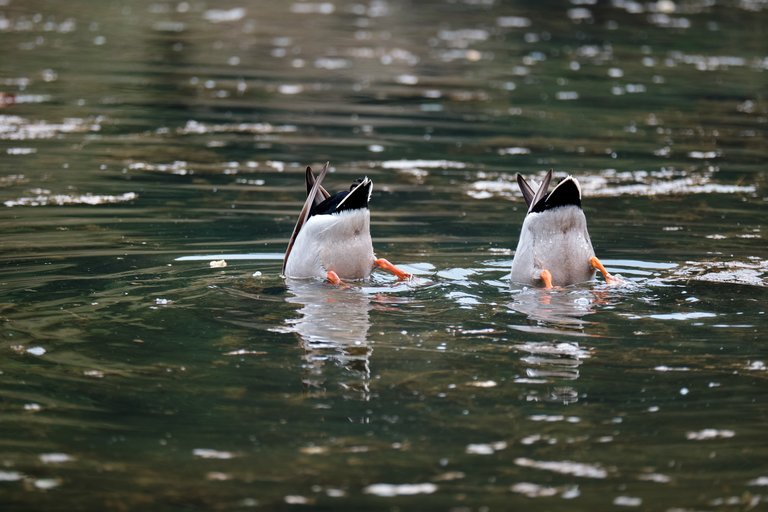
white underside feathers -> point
(556, 240)
(339, 242)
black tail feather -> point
(356, 198)
(566, 193)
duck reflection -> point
(333, 330)
(559, 309)
(558, 314)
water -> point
(142, 141)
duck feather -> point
(312, 195)
(323, 194)
(532, 199)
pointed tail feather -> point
(526, 189)
(532, 198)
(304, 214)
(310, 178)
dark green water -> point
(140, 140)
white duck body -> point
(333, 233)
(338, 242)
(556, 240)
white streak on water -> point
(515, 151)
(224, 15)
(695, 315)
(19, 128)
(392, 490)
(36, 351)
(206, 453)
(565, 467)
(485, 448)
(422, 164)
(612, 183)
(532, 490)
(664, 368)
(552, 418)
(655, 477)
(513, 22)
(46, 483)
(483, 384)
(313, 8)
(246, 256)
(709, 433)
(55, 458)
(627, 501)
(66, 199)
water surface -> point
(142, 141)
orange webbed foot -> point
(333, 278)
(386, 265)
(595, 264)
(546, 276)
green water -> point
(141, 140)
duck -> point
(332, 236)
(554, 248)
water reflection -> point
(555, 310)
(140, 131)
(553, 313)
(333, 330)
(548, 362)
